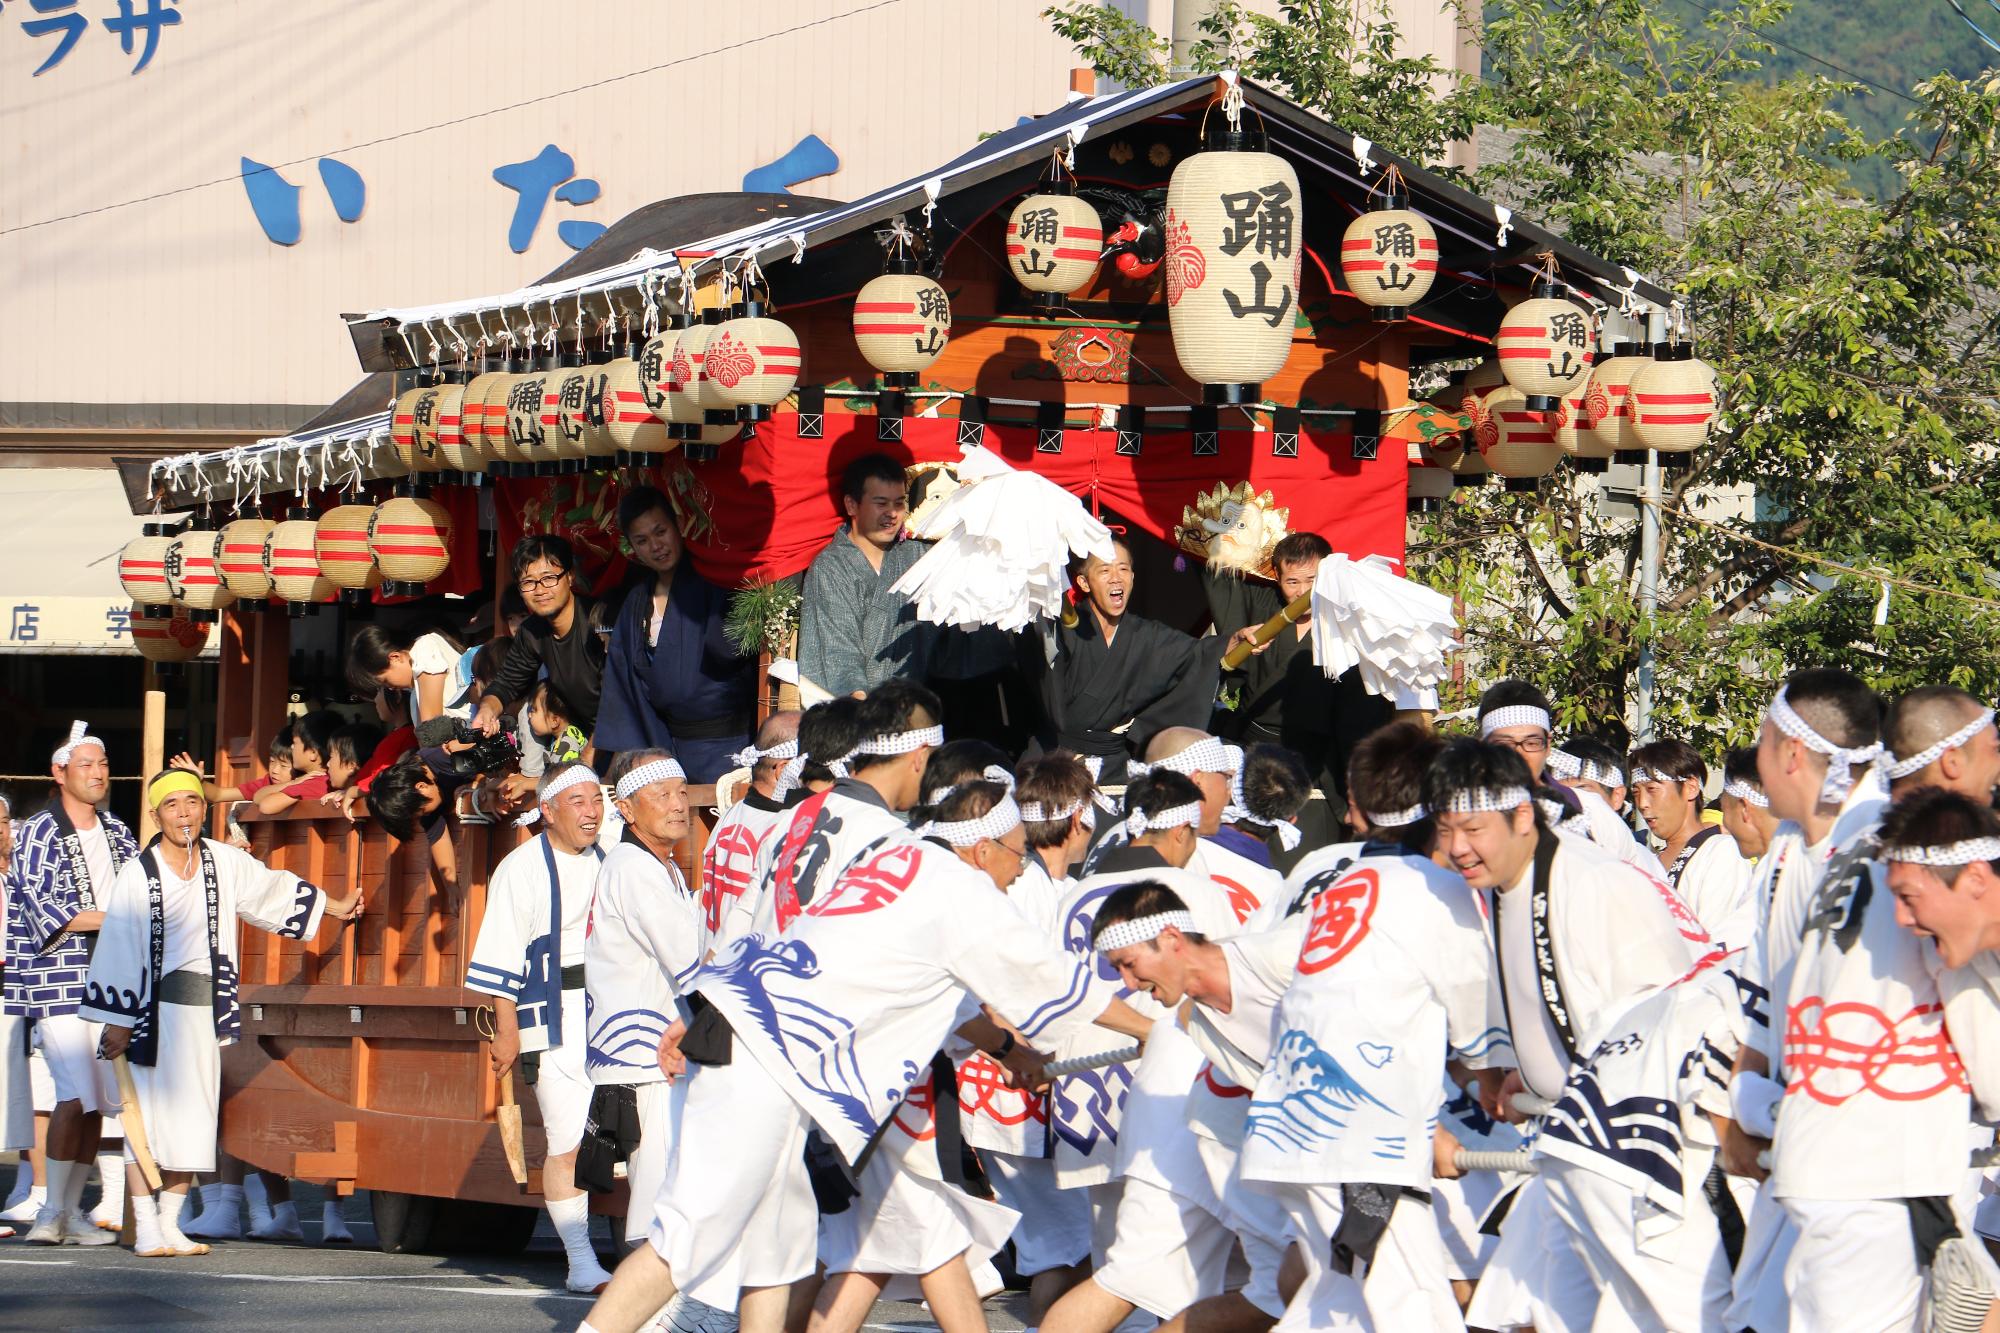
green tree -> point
(1856, 340)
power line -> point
(1817, 60)
(465, 119)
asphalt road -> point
(249, 1285)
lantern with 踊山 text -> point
(1673, 399)
(291, 559)
(1389, 258)
(666, 396)
(1607, 404)
(1544, 346)
(584, 415)
(1233, 247)
(635, 428)
(752, 361)
(1519, 442)
(340, 540)
(497, 447)
(168, 636)
(410, 539)
(901, 322)
(142, 566)
(1054, 241)
(424, 458)
(403, 418)
(193, 576)
(240, 557)
(525, 449)
(563, 383)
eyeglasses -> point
(1524, 745)
(544, 583)
(1018, 853)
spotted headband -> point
(991, 773)
(902, 742)
(1840, 761)
(788, 776)
(79, 736)
(645, 775)
(1123, 934)
(996, 823)
(571, 777)
(1950, 854)
(1395, 818)
(1569, 768)
(1034, 812)
(1481, 800)
(1743, 791)
(1514, 715)
(1238, 811)
(1643, 775)
(1139, 821)
(750, 756)
(1922, 759)
(1207, 755)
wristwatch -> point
(1006, 1047)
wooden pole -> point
(1266, 632)
(152, 749)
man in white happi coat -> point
(162, 981)
(827, 1026)
(644, 940)
(1703, 866)
(729, 860)
(1584, 763)
(61, 872)
(1747, 819)
(1577, 934)
(530, 958)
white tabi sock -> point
(79, 1176)
(169, 1206)
(111, 1183)
(572, 1222)
(145, 1225)
(57, 1175)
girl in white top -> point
(436, 672)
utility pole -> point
(1649, 560)
(1188, 15)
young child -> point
(277, 772)
(312, 745)
(430, 666)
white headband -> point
(1396, 818)
(1743, 791)
(1207, 755)
(788, 776)
(1034, 812)
(1482, 800)
(79, 736)
(1568, 768)
(1640, 775)
(996, 823)
(901, 742)
(570, 777)
(1840, 762)
(645, 775)
(750, 756)
(1139, 821)
(1123, 934)
(1238, 812)
(1950, 854)
(1515, 715)
(991, 773)
(1923, 759)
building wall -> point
(190, 296)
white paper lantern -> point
(1544, 346)
(1389, 258)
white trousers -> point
(1054, 1230)
(1854, 1266)
(1535, 1276)
(1459, 1205)
(562, 1089)
(180, 1096)
(905, 1224)
(69, 1046)
(1677, 1282)
(1405, 1289)
(17, 1095)
(646, 1172)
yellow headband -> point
(169, 781)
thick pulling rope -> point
(1085, 1062)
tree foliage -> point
(1856, 338)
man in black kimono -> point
(1117, 679)
(1286, 699)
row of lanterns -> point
(180, 576)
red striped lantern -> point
(340, 540)
(1545, 346)
(497, 448)
(1389, 258)
(1572, 426)
(564, 384)
(690, 370)
(1673, 400)
(291, 560)
(142, 566)
(527, 405)
(240, 557)
(637, 430)
(582, 414)
(193, 575)
(1519, 441)
(1054, 242)
(448, 427)
(1475, 389)
(752, 361)
(167, 637)
(474, 452)
(1607, 405)
(410, 539)
(901, 322)
(405, 420)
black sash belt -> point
(572, 977)
(187, 988)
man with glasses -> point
(563, 635)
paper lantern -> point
(525, 449)
(448, 428)
(410, 539)
(1673, 400)
(496, 446)
(291, 559)
(690, 371)
(474, 452)
(582, 413)
(415, 411)
(240, 557)
(424, 457)
(564, 383)
(1544, 346)
(637, 430)
(1053, 244)
(193, 575)
(1519, 442)
(1607, 407)
(1389, 258)
(142, 566)
(752, 362)
(167, 637)
(1430, 486)
(1471, 469)
(340, 540)
(1475, 389)
(901, 322)
(1233, 245)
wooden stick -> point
(133, 1122)
(1266, 632)
(508, 1117)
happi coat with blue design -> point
(48, 884)
(643, 942)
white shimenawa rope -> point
(902, 742)
(645, 775)
(570, 777)
(1743, 791)
(1514, 715)
(1949, 854)
(79, 736)
(1238, 811)
(996, 823)
(1840, 761)
(750, 756)
(1923, 759)
(1482, 800)
(1139, 821)
(1123, 934)
(1396, 818)
(1207, 755)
